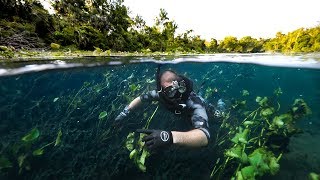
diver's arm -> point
(134, 103)
(193, 138)
(146, 97)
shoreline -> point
(30, 56)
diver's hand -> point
(156, 139)
(123, 114)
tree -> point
(213, 46)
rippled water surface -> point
(56, 117)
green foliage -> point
(6, 52)
(300, 40)
(4, 163)
(38, 152)
(300, 109)
(107, 25)
(314, 176)
(241, 136)
(245, 93)
(55, 46)
(251, 150)
(138, 153)
(31, 136)
(103, 114)
(58, 139)
(263, 102)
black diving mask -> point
(176, 89)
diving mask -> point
(171, 91)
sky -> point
(220, 18)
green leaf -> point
(248, 172)
(55, 99)
(130, 141)
(58, 139)
(314, 176)
(133, 154)
(235, 152)
(274, 166)
(143, 156)
(21, 160)
(267, 112)
(241, 137)
(103, 115)
(246, 123)
(142, 167)
(38, 152)
(32, 135)
(262, 101)
(245, 92)
(4, 163)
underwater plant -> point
(31, 136)
(278, 91)
(102, 115)
(314, 176)
(139, 153)
(23, 151)
(254, 146)
(245, 92)
(4, 163)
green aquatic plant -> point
(314, 176)
(245, 92)
(280, 121)
(300, 109)
(241, 136)
(58, 139)
(137, 151)
(264, 161)
(209, 92)
(248, 172)
(278, 91)
(134, 87)
(266, 112)
(238, 153)
(55, 99)
(263, 102)
(56, 142)
(31, 136)
(4, 163)
(239, 104)
(261, 162)
(102, 115)
(262, 126)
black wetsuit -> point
(193, 106)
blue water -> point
(70, 96)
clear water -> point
(70, 98)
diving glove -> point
(123, 114)
(156, 139)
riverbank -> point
(34, 55)
(8, 54)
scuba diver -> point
(176, 93)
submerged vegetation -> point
(27, 29)
(69, 132)
(250, 143)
